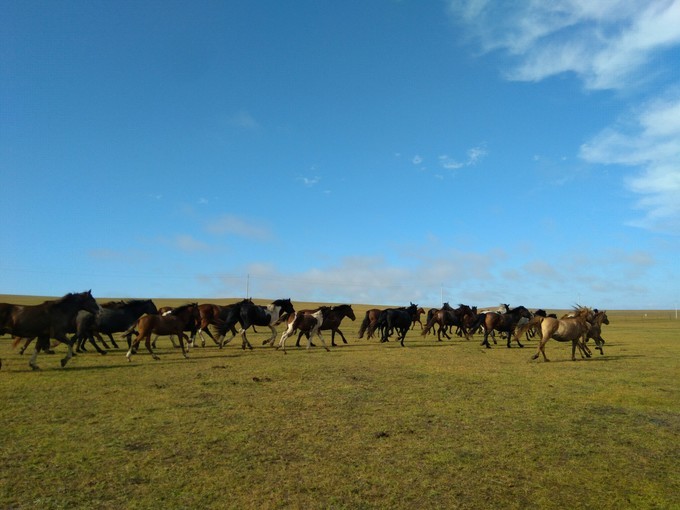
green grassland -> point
(431, 425)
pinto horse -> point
(332, 318)
(174, 322)
(51, 319)
(569, 329)
(398, 319)
(218, 316)
(505, 323)
(308, 322)
(258, 315)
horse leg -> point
(90, 337)
(271, 339)
(344, 340)
(510, 335)
(181, 344)
(318, 333)
(541, 349)
(147, 344)
(34, 357)
(485, 340)
(244, 340)
(27, 342)
(69, 352)
(134, 344)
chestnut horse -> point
(174, 322)
(369, 323)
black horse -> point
(50, 319)
(114, 317)
(258, 315)
(398, 319)
(503, 322)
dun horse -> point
(569, 329)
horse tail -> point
(521, 330)
(429, 324)
(364, 325)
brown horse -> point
(332, 318)
(217, 315)
(504, 323)
(569, 329)
(370, 323)
(416, 318)
(51, 319)
(174, 322)
(448, 316)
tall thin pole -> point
(247, 285)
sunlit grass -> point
(368, 425)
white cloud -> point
(189, 244)
(603, 42)
(309, 181)
(230, 224)
(417, 160)
(651, 141)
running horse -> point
(307, 322)
(332, 318)
(114, 317)
(172, 323)
(217, 316)
(370, 322)
(569, 329)
(448, 316)
(51, 319)
(505, 323)
(258, 315)
(396, 318)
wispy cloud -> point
(230, 224)
(474, 156)
(649, 140)
(309, 181)
(603, 42)
(608, 44)
(188, 243)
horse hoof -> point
(34, 367)
(63, 363)
(104, 352)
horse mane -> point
(68, 297)
(180, 309)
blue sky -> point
(365, 152)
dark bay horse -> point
(570, 329)
(504, 323)
(51, 319)
(332, 318)
(309, 323)
(258, 315)
(448, 316)
(217, 316)
(114, 317)
(369, 324)
(416, 318)
(174, 322)
(398, 319)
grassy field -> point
(368, 425)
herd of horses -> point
(78, 319)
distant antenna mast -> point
(247, 285)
